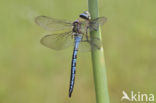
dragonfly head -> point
(85, 15)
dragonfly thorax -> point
(80, 26)
(76, 27)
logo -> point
(138, 96)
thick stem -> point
(99, 68)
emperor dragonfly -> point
(77, 30)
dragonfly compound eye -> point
(85, 15)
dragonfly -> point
(71, 33)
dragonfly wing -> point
(57, 41)
(94, 24)
(52, 24)
(87, 45)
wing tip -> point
(38, 18)
(105, 18)
(42, 39)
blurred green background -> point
(32, 73)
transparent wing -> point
(94, 24)
(57, 41)
(87, 45)
(52, 24)
(84, 46)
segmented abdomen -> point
(73, 65)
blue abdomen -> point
(73, 64)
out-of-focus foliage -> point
(31, 73)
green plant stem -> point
(99, 68)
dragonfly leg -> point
(87, 35)
(72, 36)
